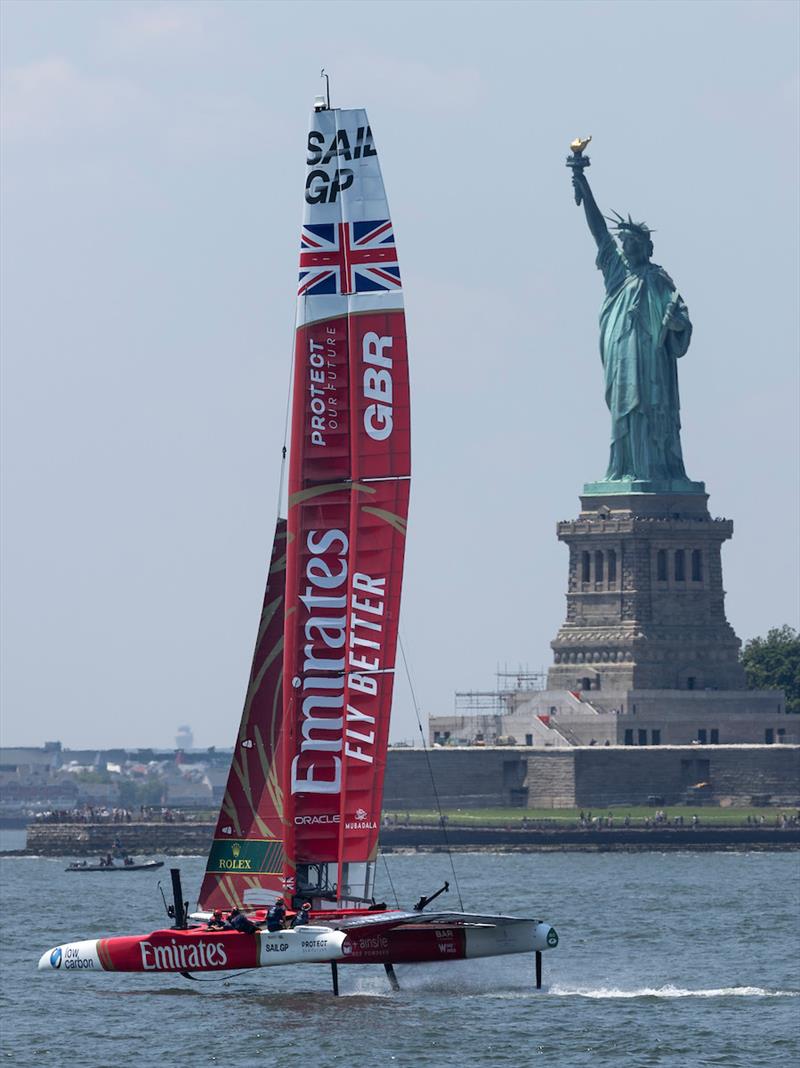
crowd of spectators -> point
(588, 821)
(661, 819)
(103, 814)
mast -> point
(348, 501)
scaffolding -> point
(498, 701)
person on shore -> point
(276, 917)
(301, 918)
(237, 921)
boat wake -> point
(367, 988)
(670, 991)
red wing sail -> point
(245, 864)
(348, 503)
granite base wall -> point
(465, 778)
(551, 779)
(628, 776)
(590, 776)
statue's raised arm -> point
(594, 217)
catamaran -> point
(301, 812)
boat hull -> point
(150, 865)
(427, 943)
(196, 951)
(214, 951)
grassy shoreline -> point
(707, 815)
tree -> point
(149, 791)
(97, 775)
(773, 663)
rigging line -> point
(430, 770)
(389, 874)
(216, 978)
(286, 425)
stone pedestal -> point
(645, 601)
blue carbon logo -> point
(55, 957)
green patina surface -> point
(253, 857)
(644, 330)
(622, 486)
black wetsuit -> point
(276, 918)
(241, 923)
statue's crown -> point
(622, 225)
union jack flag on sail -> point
(348, 257)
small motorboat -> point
(147, 865)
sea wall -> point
(93, 840)
(737, 773)
(465, 778)
(589, 840)
(591, 776)
(96, 839)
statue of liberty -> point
(644, 329)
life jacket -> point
(275, 917)
(241, 923)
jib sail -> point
(245, 864)
(348, 501)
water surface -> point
(675, 960)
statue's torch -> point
(578, 162)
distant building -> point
(562, 718)
(188, 791)
(28, 764)
(184, 739)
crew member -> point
(276, 917)
(216, 923)
(302, 916)
(237, 921)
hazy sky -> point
(153, 163)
